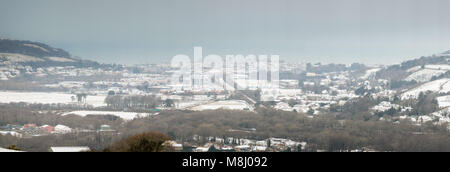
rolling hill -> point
(37, 54)
(419, 70)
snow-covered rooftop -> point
(70, 149)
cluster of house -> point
(317, 93)
(66, 71)
(231, 144)
(385, 106)
(155, 79)
(248, 145)
(8, 72)
(28, 130)
(313, 94)
(32, 130)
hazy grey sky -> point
(141, 31)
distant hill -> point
(416, 71)
(37, 54)
(30, 48)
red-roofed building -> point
(26, 126)
(47, 128)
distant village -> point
(32, 130)
(303, 88)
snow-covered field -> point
(424, 75)
(48, 98)
(438, 67)
(442, 115)
(36, 46)
(444, 101)
(414, 69)
(123, 115)
(189, 104)
(370, 72)
(60, 59)
(441, 85)
(228, 104)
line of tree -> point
(120, 102)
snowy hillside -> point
(369, 73)
(444, 101)
(18, 52)
(426, 74)
(438, 67)
(441, 86)
(29, 48)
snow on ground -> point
(444, 101)
(384, 106)
(283, 106)
(226, 104)
(3, 77)
(96, 101)
(12, 133)
(188, 104)
(443, 115)
(70, 149)
(12, 57)
(439, 117)
(123, 115)
(443, 112)
(424, 75)
(62, 129)
(414, 69)
(441, 85)
(36, 46)
(60, 59)
(404, 117)
(8, 150)
(438, 67)
(48, 98)
(424, 119)
(370, 72)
